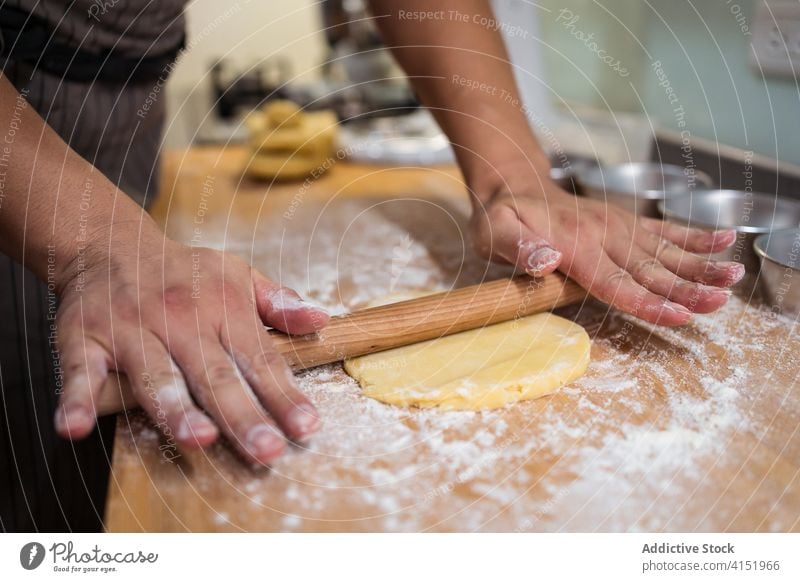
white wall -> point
(244, 31)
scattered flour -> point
(656, 434)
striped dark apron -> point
(86, 67)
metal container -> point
(565, 169)
(779, 252)
(640, 187)
(748, 213)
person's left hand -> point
(640, 265)
(186, 325)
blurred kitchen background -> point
(669, 70)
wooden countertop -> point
(691, 429)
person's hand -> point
(186, 326)
(639, 265)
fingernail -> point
(319, 310)
(724, 294)
(284, 300)
(304, 420)
(712, 290)
(675, 308)
(72, 416)
(196, 425)
(716, 294)
(726, 237)
(264, 442)
(731, 270)
(734, 271)
(542, 258)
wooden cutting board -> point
(691, 429)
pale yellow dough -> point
(478, 369)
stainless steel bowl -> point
(639, 187)
(779, 252)
(565, 169)
(749, 213)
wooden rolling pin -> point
(399, 324)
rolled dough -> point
(478, 369)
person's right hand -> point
(186, 326)
(640, 265)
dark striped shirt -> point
(132, 27)
(48, 484)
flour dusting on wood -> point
(641, 442)
(563, 462)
